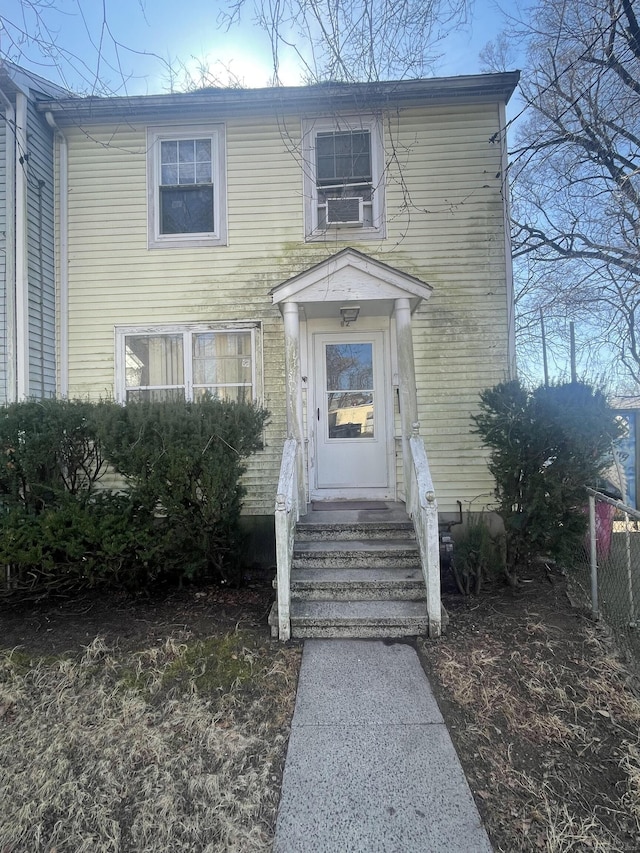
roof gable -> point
(350, 276)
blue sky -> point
(154, 33)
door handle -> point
(318, 413)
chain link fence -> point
(605, 577)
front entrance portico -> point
(350, 376)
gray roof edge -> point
(22, 80)
(324, 96)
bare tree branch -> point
(576, 176)
(34, 35)
(355, 40)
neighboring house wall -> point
(444, 225)
(3, 255)
(27, 247)
(40, 248)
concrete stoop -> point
(350, 530)
(356, 579)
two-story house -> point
(339, 253)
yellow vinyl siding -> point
(451, 236)
(454, 231)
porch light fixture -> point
(349, 314)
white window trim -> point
(310, 127)
(187, 330)
(155, 135)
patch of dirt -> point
(128, 621)
(545, 717)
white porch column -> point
(293, 381)
(407, 383)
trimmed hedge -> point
(178, 518)
(48, 450)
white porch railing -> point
(423, 509)
(287, 514)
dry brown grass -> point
(553, 826)
(548, 729)
(173, 748)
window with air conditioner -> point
(344, 181)
(186, 186)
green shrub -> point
(545, 447)
(178, 520)
(184, 461)
(103, 542)
(48, 449)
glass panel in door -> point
(349, 390)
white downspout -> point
(10, 246)
(63, 283)
(22, 268)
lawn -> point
(140, 726)
(132, 726)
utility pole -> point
(544, 352)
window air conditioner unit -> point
(344, 211)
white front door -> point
(350, 416)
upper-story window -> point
(344, 184)
(187, 186)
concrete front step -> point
(383, 553)
(361, 619)
(361, 531)
(326, 584)
(356, 574)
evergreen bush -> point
(545, 447)
(179, 518)
(79, 544)
(48, 450)
(184, 462)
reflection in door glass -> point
(350, 404)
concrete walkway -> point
(370, 766)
